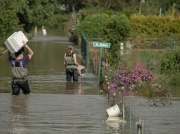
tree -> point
(41, 12)
(8, 19)
(72, 4)
(92, 25)
(117, 30)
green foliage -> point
(83, 13)
(174, 80)
(61, 18)
(116, 31)
(8, 19)
(112, 28)
(24, 15)
(92, 25)
(154, 26)
(149, 7)
(170, 67)
(42, 12)
(153, 90)
(171, 60)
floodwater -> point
(46, 68)
(58, 107)
(55, 114)
(161, 119)
(54, 105)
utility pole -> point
(140, 6)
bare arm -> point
(64, 60)
(75, 60)
(30, 52)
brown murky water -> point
(58, 107)
(55, 114)
(54, 105)
(46, 69)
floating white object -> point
(115, 119)
(81, 70)
(44, 31)
(113, 111)
(14, 42)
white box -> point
(14, 42)
(81, 70)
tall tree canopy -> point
(25, 14)
(37, 13)
(8, 18)
(148, 6)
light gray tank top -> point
(70, 61)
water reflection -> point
(116, 127)
(75, 86)
(19, 117)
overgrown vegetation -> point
(170, 67)
(93, 25)
(27, 14)
(171, 60)
(113, 21)
(154, 26)
(116, 31)
(148, 23)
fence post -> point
(140, 127)
(123, 103)
(130, 118)
(84, 49)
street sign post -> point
(100, 45)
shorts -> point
(18, 84)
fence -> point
(158, 117)
(84, 49)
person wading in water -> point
(70, 62)
(19, 70)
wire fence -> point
(84, 49)
(157, 119)
(160, 116)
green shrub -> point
(175, 80)
(117, 30)
(152, 26)
(171, 60)
(92, 25)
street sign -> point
(101, 44)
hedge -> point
(154, 26)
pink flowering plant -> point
(131, 79)
(138, 80)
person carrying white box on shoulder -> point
(19, 70)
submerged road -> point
(54, 105)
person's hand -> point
(24, 43)
(77, 64)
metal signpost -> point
(101, 45)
